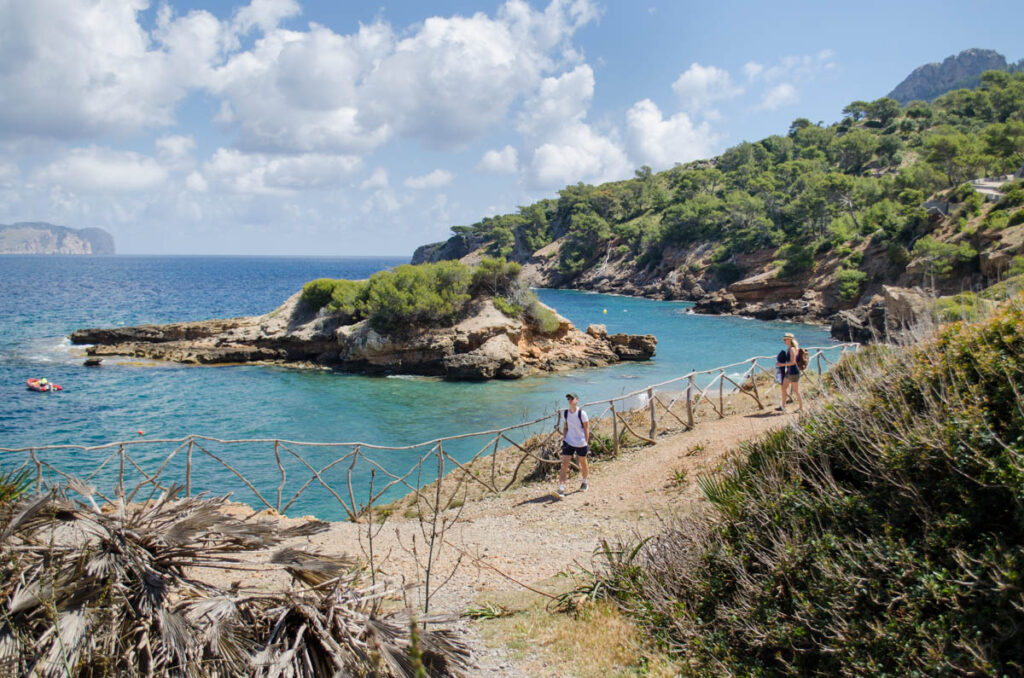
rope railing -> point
(364, 481)
(661, 407)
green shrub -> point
(794, 259)
(1016, 218)
(495, 277)
(507, 307)
(543, 319)
(849, 282)
(427, 295)
(317, 293)
(728, 272)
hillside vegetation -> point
(428, 295)
(849, 195)
(883, 535)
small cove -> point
(42, 299)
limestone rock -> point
(485, 345)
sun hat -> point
(789, 335)
(572, 396)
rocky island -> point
(487, 339)
(43, 238)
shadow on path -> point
(544, 499)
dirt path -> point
(527, 535)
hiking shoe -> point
(584, 486)
(561, 491)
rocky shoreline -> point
(487, 344)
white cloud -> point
(257, 173)
(778, 96)
(382, 201)
(660, 143)
(558, 102)
(700, 86)
(73, 69)
(379, 179)
(505, 161)
(793, 68)
(265, 14)
(96, 169)
(175, 151)
(196, 182)
(579, 154)
(565, 148)
(439, 178)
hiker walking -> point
(575, 441)
(788, 363)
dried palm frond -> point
(87, 592)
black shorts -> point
(569, 450)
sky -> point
(349, 128)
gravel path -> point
(528, 535)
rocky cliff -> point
(43, 238)
(485, 345)
(955, 72)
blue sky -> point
(353, 128)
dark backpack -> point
(579, 413)
(801, 359)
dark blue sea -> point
(44, 298)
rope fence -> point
(363, 482)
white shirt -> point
(575, 436)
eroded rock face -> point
(486, 345)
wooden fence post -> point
(654, 420)
(615, 430)
(721, 395)
(689, 403)
(188, 468)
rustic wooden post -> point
(753, 381)
(721, 395)
(615, 431)
(188, 468)
(120, 473)
(654, 420)
(689, 403)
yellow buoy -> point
(604, 310)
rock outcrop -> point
(960, 71)
(485, 345)
(43, 238)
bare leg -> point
(785, 388)
(583, 467)
(565, 469)
(796, 392)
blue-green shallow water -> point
(42, 299)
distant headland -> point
(38, 237)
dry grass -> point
(596, 641)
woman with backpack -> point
(788, 361)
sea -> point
(44, 298)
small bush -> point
(849, 282)
(1016, 218)
(728, 272)
(495, 277)
(507, 307)
(541, 317)
(317, 293)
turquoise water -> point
(42, 299)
